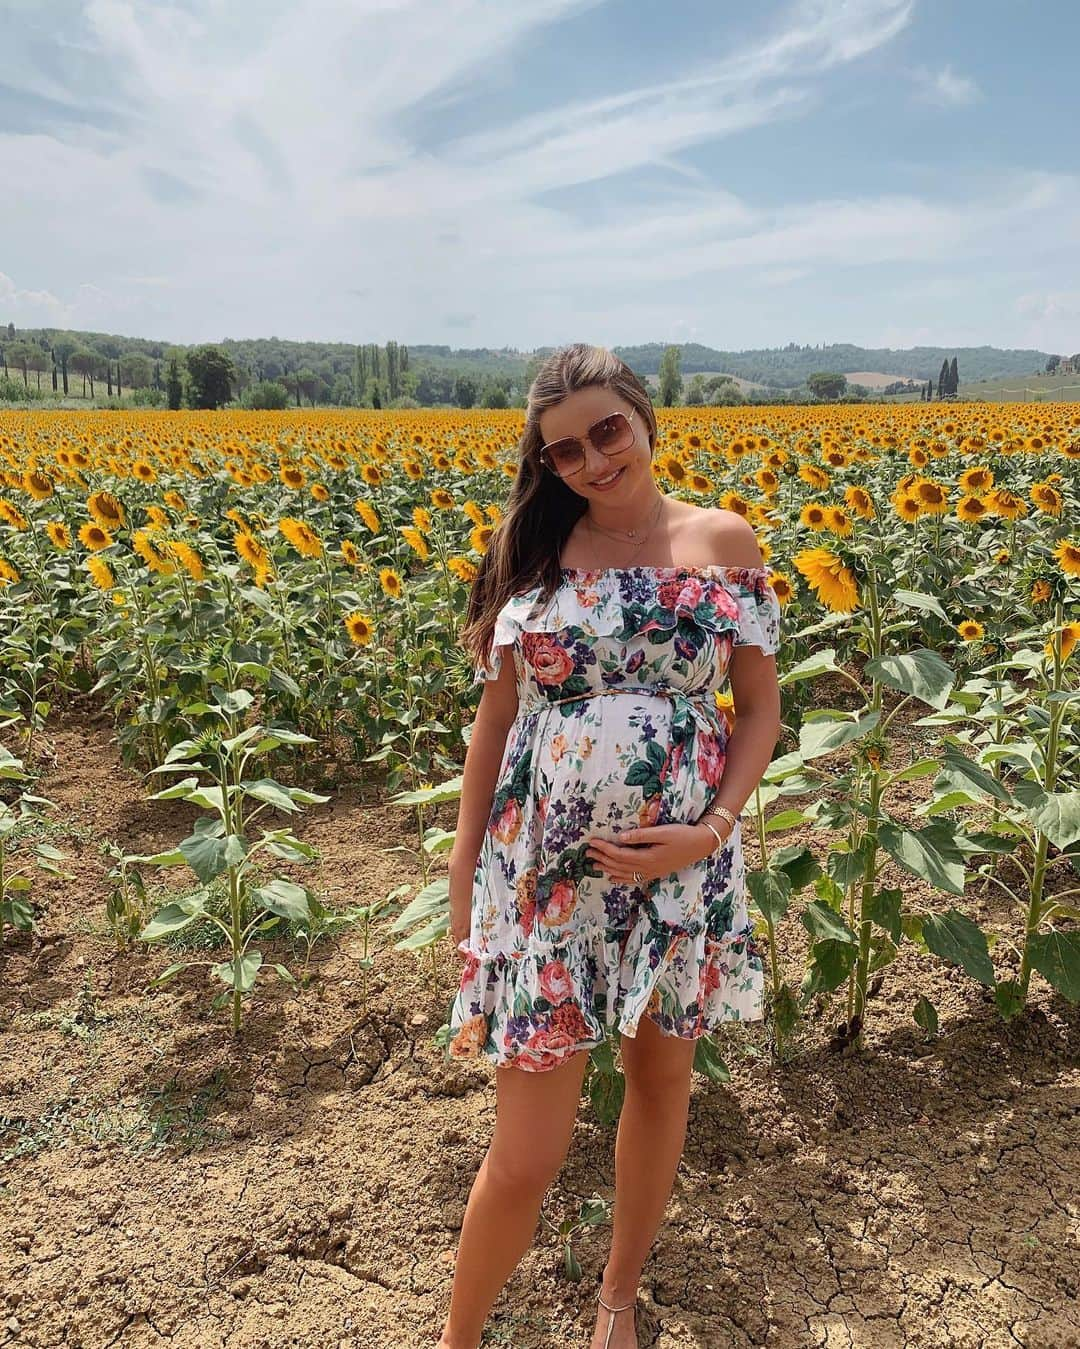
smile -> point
(610, 479)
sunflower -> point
(145, 472)
(106, 510)
(932, 496)
(250, 549)
(154, 560)
(463, 569)
(292, 476)
(11, 513)
(474, 512)
(833, 582)
(970, 630)
(1068, 638)
(94, 537)
(977, 479)
(188, 559)
(390, 582)
(416, 542)
(59, 535)
(350, 553)
(812, 516)
(442, 500)
(970, 508)
(672, 468)
(371, 474)
(1068, 555)
(1006, 504)
(480, 538)
(700, 483)
(367, 513)
(360, 628)
(838, 521)
(39, 485)
(814, 477)
(8, 574)
(319, 492)
(302, 537)
(421, 518)
(781, 584)
(858, 499)
(907, 508)
(1041, 592)
(100, 574)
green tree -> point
(138, 370)
(671, 382)
(954, 377)
(86, 362)
(826, 384)
(696, 393)
(269, 395)
(211, 373)
(174, 385)
(465, 391)
(20, 354)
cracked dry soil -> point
(305, 1184)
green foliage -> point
(211, 375)
(20, 851)
(220, 845)
(267, 395)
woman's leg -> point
(534, 1120)
(652, 1132)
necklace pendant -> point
(632, 533)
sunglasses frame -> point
(581, 443)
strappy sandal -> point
(611, 1321)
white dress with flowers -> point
(617, 727)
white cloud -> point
(944, 87)
(224, 170)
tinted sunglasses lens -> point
(565, 456)
(612, 434)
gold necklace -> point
(638, 546)
(628, 533)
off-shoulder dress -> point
(557, 952)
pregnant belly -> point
(618, 765)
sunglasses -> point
(610, 435)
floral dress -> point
(557, 952)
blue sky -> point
(488, 173)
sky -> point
(496, 173)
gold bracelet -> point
(724, 814)
(716, 834)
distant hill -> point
(330, 371)
(787, 367)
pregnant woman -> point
(597, 877)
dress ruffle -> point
(602, 602)
(536, 1007)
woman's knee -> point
(523, 1174)
(534, 1121)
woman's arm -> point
(491, 725)
(754, 689)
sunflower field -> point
(294, 584)
(233, 716)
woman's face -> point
(577, 412)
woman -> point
(597, 875)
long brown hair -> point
(542, 510)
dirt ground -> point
(163, 1184)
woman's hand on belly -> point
(663, 848)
